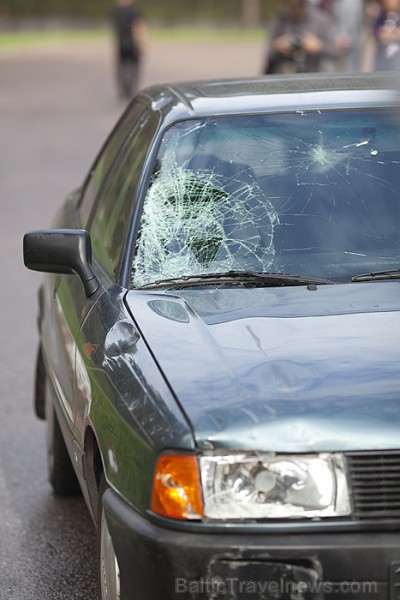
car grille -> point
(375, 484)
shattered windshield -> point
(313, 193)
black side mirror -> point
(66, 251)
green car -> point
(219, 356)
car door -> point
(64, 303)
(109, 229)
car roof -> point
(178, 101)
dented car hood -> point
(287, 369)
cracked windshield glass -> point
(311, 193)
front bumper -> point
(158, 563)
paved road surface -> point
(56, 106)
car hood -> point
(286, 369)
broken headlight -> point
(243, 486)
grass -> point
(207, 33)
(22, 39)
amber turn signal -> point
(177, 488)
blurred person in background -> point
(129, 28)
(387, 36)
(347, 21)
(301, 39)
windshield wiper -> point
(264, 278)
(378, 275)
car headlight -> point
(243, 486)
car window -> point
(112, 211)
(313, 193)
(105, 160)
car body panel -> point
(281, 369)
(64, 307)
(277, 94)
(122, 396)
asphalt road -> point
(56, 106)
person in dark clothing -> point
(129, 28)
(301, 38)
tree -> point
(251, 13)
(248, 12)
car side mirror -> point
(66, 251)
